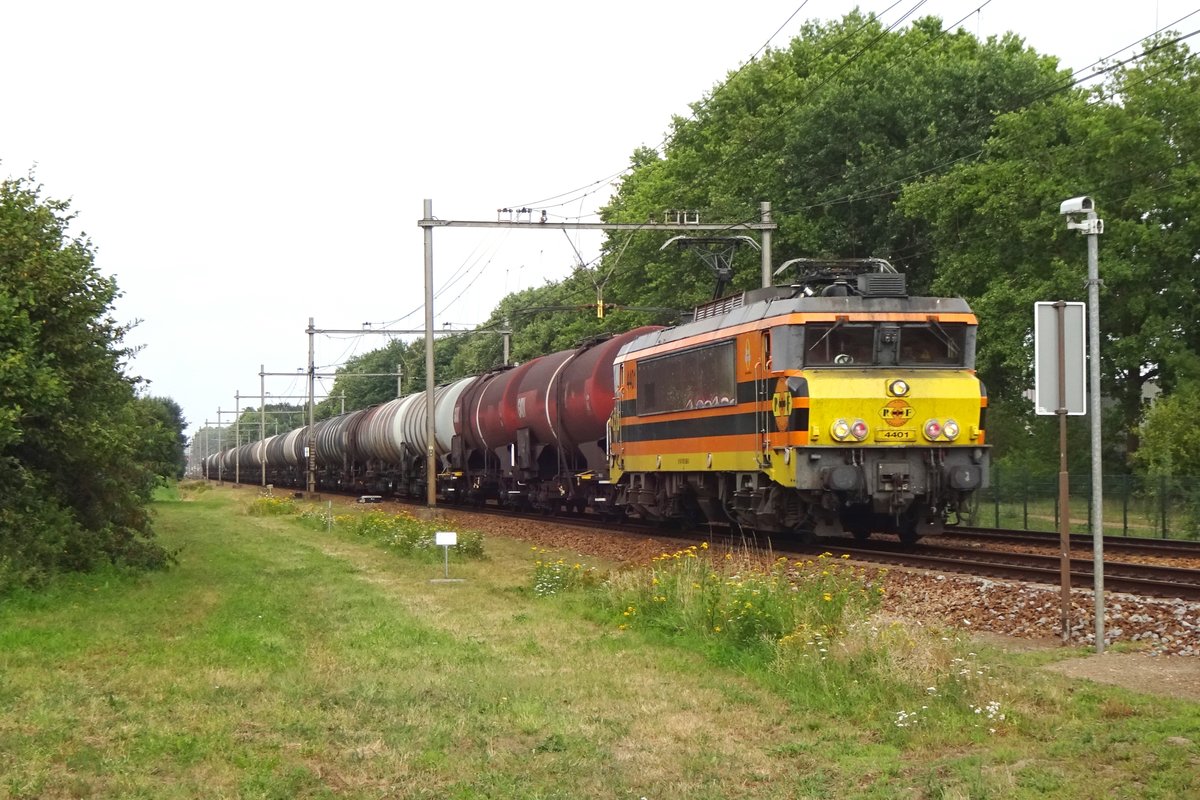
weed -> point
(271, 506)
(552, 576)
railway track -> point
(1153, 580)
(1121, 544)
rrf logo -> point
(896, 413)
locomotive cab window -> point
(699, 378)
(787, 346)
(933, 345)
(839, 344)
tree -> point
(1132, 145)
(829, 129)
(163, 436)
(73, 483)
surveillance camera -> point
(1076, 205)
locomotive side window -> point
(787, 346)
(699, 378)
(839, 344)
(933, 345)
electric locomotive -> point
(837, 404)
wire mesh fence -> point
(1162, 507)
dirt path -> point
(1169, 676)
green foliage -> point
(79, 454)
(163, 436)
(400, 532)
(553, 576)
(1131, 144)
(828, 129)
(728, 601)
(809, 629)
(272, 506)
(408, 536)
(1170, 451)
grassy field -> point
(280, 660)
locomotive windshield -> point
(841, 344)
(847, 344)
(932, 345)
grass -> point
(279, 659)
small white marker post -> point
(446, 540)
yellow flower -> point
(828, 597)
(717, 628)
(704, 545)
(577, 566)
(845, 555)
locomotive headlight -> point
(859, 430)
(898, 388)
(933, 429)
(950, 430)
(840, 430)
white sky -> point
(242, 166)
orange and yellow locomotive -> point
(836, 404)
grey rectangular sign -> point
(1045, 362)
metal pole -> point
(430, 453)
(220, 458)
(237, 438)
(312, 439)
(399, 380)
(1064, 517)
(1093, 249)
(765, 208)
(507, 339)
(262, 419)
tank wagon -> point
(836, 404)
(536, 435)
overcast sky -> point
(243, 166)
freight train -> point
(836, 404)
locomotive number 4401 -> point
(895, 436)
